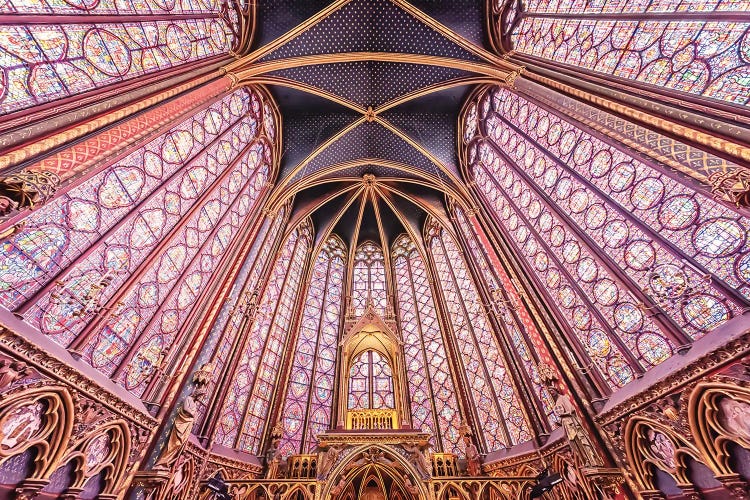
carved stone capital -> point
(26, 189)
(735, 484)
(71, 494)
(30, 488)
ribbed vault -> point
(370, 88)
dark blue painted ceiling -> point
(370, 26)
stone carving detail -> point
(179, 434)
(417, 458)
(686, 417)
(11, 371)
(26, 189)
(273, 455)
(580, 442)
(328, 459)
(732, 185)
(473, 458)
(41, 360)
(64, 416)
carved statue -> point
(576, 434)
(329, 459)
(410, 487)
(11, 370)
(417, 458)
(473, 458)
(183, 424)
(339, 488)
(273, 454)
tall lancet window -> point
(368, 281)
(309, 397)
(113, 266)
(432, 395)
(236, 312)
(613, 239)
(694, 46)
(82, 45)
(243, 417)
(498, 411)
(371, 382)
(515, 329)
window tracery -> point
(371, 382)
(162, 180)
(612, 237)
(368, 281)
(515, 331)
(240, 309)
(434, 408)
(76, 51)
(309, 397)
(114, 265)
(688, 45)
(502, 420)
(244, 413)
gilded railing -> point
(372, 419)
(444, 465)
(506, 488)
(302, 466)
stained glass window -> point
(371, 382)
(155, 186)
(244, 413)
(368, 282)
(605, 233)
(661, 42)
(114, 265)
(432, 395)
(238, 309)
(309, 397)
(89, 44)
(516, 330)
(498, 410)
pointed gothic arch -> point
(357, 463)
(367, 337)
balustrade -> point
(372, 419)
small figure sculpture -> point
(473, 458)
(410, 487)
(579, 440)
(273, 454)
(329, 459)
(418, 458)
(339, 488)
(183, 424)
